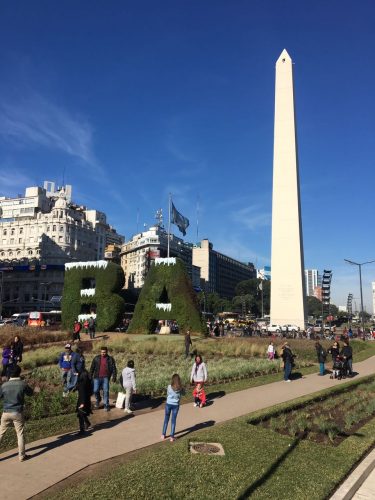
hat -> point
(68, 346)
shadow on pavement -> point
(216, 395)
(72, 436)
(295, 375)
(196, 427)
(271, 470)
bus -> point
(41, 319)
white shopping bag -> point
(120, 402)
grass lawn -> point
(258, 462)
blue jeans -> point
(66, 376)
(168, 410)
(73, 382)
(102, 383)
(287, 370)
(321, 369)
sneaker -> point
(128, 410)
(24, 457)
(195, 405)
(172, 439)
(287, 380)
(107, 408)
(65, 394)
(162, 437)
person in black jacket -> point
(84, 388)
(103, 367)
(347, 354)
(322, 356)
(288, 358)
(17, 349)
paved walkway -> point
(58, 457)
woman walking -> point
(128, 383)
(199, 371)
(174, 392)
(84, 388)
(17, 349)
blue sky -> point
(134, 100)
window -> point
(54, 228)
(5, 232)
(60, 239)
(19, 240)
(30, 252)
(12, 231)
(47, 229)
(12, 241)
(61, 228)
(11, 254)
(21, 230)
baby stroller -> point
(338, 368)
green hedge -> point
(172, 281)
(109, 305)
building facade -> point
(312, 280)
(220, 273)
(39, 233)
(139, 253)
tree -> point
(253, 289)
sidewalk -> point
(56, 458)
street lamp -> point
(45, 294)
(360, 286)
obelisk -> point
(287, 263)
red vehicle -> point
(42, 319)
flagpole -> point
(169, 222)
(197, 218)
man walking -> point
(65, 364)
(103, 367)
(13, 393)
(92, 327)
(188, 343)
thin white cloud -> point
(252, 217)
(33, 120)
(12, 179)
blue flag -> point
(181, 222)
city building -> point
(39, 233)
(220, 273)
(312, 281)
(138, 254)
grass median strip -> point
(258, 462)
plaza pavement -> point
(56, 458)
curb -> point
(356, 479)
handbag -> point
(120, 401)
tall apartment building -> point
(220, 273)
(39, 233)
(138, 254)
(313, 280)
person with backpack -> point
(76, 331)
(322, 356)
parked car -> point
(291, 328)
(274, 328)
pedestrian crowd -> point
(96, 382)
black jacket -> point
(334, 351)
(347, 352)
(111, 364)
(287, 355)
(17, 351)
(84, 389)
(321, 353)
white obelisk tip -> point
(284, 57)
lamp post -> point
(45, 294)
(360, 286)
